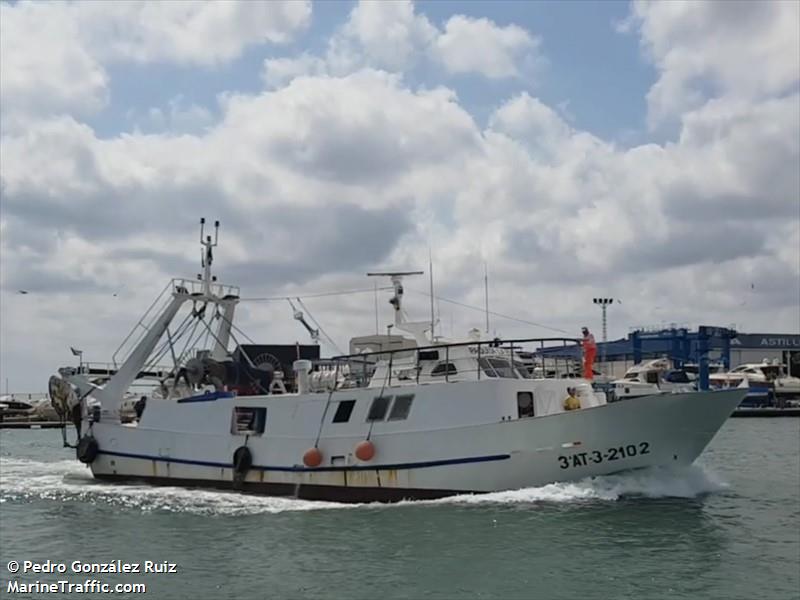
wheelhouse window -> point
(524, 371)
(525, 404)
(444, 368)
(498, 367)
(651, 377)
(677, 377)
(377, 411)
(401, 407)
(771, 372)
(249, 420)
(343, 411)
(488, 370)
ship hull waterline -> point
(654, 431)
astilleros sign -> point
(767, 340)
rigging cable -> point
(327, 404)
(159, 353)
(319, 327)
(199, 316)
(250, 363)
(252, 379)
(380, 395)
(496, 314)
(314, 295)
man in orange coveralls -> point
(589, 352)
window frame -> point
(337, 418)
(392, 416)
(505, 371)
(519, 407)
(449, 369)
(383, 399)
(258, 418)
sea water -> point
(727, 527)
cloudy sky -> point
(647, 152)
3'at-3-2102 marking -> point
(582, 459)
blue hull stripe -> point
(294, 469)
(209, 397)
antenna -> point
(207, 256)
(202, 254)
(430, 271)
(376, 309)
(486, 292)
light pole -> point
(603, 303)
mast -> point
(228, 303)
(376, 308)
(486, 292)
(111, 394)
(415, 328)
(430, 271)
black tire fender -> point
(87, 449)
(242, 461)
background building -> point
(726, 348)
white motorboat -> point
(34, 406)
(423, 421)
(12, 407)
(652, 377)
(765, 374)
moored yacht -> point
(652, 377)
(427, 419)
(763, 375)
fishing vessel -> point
(424, 419)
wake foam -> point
(657, 482)
(68, 480)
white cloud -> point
(178, 116)
(362, 127)
(386, 35)
(391, 36)
(46, 67)
(712, 49)
(529, 120)
(54, 54)
(481, 46)
(188, 32)
(280, 71)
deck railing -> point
(525, 357)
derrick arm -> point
(110, 395)
(223, 336)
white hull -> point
(493, 455)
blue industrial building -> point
(705, 345)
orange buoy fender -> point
(312, 457)
(365, 450)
